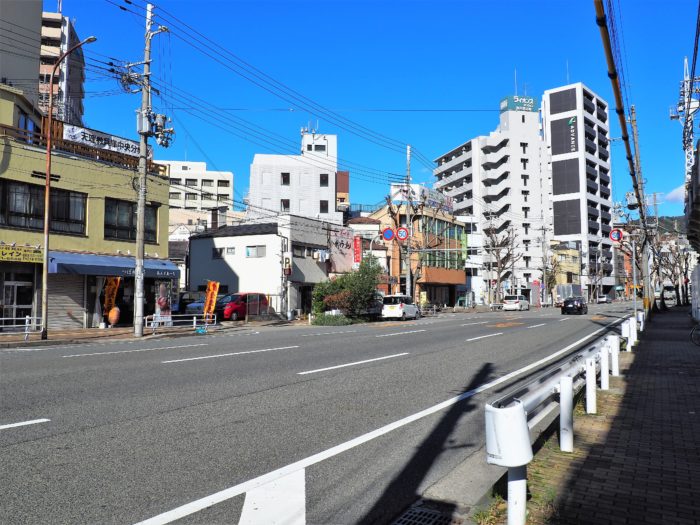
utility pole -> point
(544, 261)
(409, 218)
(148, 125)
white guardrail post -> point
(590, 386)
(633, 329)
(604, 366)
(27, 324)
(508, 445)
(566, 414)
(625, 331)
(640, 318)
(614, 345)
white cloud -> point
(677, 195)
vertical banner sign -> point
(111, 288)
(163, 311)
(465, 244)
(357, 251)
(210, 300)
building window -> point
(285, 179)
(309, 147)
(190, 197)
(525, 178)
(207, 183)
(175, 181)
(284, 205)
(231, 250)
(217, 253)
(222, 198)
(524, 146)
(297, 250)
(523, 118)
(524, 161)
(323, 207)
(185, 168)
(120, 220)
(324, 180)
(175, 195)
(319, 147)
(207, 197)
(191, 182)
(22, 206)
(223, 183)
(255, 251)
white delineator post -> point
(566, 414)
(614, 342)
(590, 386)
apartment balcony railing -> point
(593, 212)
(603, 153)
(591, 172)
(604, 192)
(593, 225)
(604, 178)
(452, 163)
(592, 187)
(602, 115)
(588, 105)
(606, 216)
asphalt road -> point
(334, 424)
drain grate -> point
(423, 516)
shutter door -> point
(66, 295)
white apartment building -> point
(308, 185)
(498, 181)
(196, 191)
(576, 132)
(57, 36)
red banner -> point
(210, 300)
(357, 249)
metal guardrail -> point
(197, 322)
(14, 325)
(510, 418)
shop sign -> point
(210, 300)
(163, 311)
(25, 254)
(357, 249)
(111, 288)
(99, 140)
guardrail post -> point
(27, 322)
(626, 329)
(614, 344)
(633, 330)
(194, 322)
(566, 414)
(517, 495)
(590, 386)
(604, 367)
(640, 318)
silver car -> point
(399, 307)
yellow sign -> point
(111, 288)
(25, 254)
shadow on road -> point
(404, 486)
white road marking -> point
(231, 354)
(137, 350)
(250, 485)
(484, 336)
(24, 423)
(472, 324)
(536, 325)
(562, 320)
(351, 364)
(400, 333)
(281, 501)
(330, 333)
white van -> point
(399, 307)
(515, 302)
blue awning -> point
(109, 265)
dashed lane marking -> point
(351, 364)
(24, 423)
(229, 354)
(484, 337)
(401, 333)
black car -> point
(576, 305)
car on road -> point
(603, 299)
(399, 307)
(574, 305)
(236, 306)
(515, 302)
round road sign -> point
(388, 234)
(616, 235)
(402, 234)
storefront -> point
(20, 270)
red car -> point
(241, 303)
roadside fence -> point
(510, 418)
(27, 324)
(197, 322)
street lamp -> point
(47, 201)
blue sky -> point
(426, 72)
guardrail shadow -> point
(403, 489)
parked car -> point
(237, 305)
(575, 305)
(186, 298)
(603, 299)
(197, 307)
(515, 302)
(399, 307)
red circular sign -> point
(616, 235)
(402, 234)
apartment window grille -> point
(223, 183)
(207, 183)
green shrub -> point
(331, 320)
(353, 292)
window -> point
(297, 250)
(175, 181)
(217, 253)
(323, 205)
(562, 257)
(284, 205)
(175, 195)
(231, 250)
(120, 220)
(524, 177)
(255, 251)
(223, 184)
(207, 183)
(222, 197)
(191, 182)
(207, 197)
(185, 168)
(524, 146)
(22, 206)
(524, 161)
(319, 147)
(324, 180)
(285, 179)
(190, 197)
(309, 147)
(525, 194)
(522, 118)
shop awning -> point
(109, 265)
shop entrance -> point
(17, 299)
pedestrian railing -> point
(510, 418)
(14, 325)
(197, 322)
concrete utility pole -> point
(149, 125)
(409, 219)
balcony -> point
(591, 172)
(605, 216)
(593, 212)
(604, 192)
(592, 187)
(603, 140)
(602, 115)
(603, 154)
(452, 163)
(488, 149)
(588, 105)
(604, 178)
(593, 226)
(591, 146)
(588, 128)
(605, 228)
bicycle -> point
(695, 335)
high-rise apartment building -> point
(497, 179)
(57, 36)
(308, 185)
(576, 132)
(195, 192)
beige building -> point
(92, 218)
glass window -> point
(217, 253)
(255, 251)
(284, 205)
(231, 250)
(191, 182)
(324, 180)
(319, 147)
(285, 179)
(207, 183)
(175, 195)
(120, 220)
(223, 183)
(323, 207)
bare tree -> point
(501, 249)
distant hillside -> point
(668, 224)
